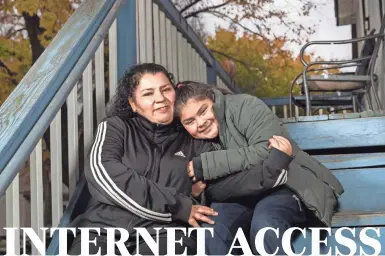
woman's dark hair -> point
(127, 86)
(193, 90)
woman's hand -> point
(190, 171)
(200, 213)
(197, 188)
(281, 144)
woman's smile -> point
(162, 110)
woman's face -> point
(198, 118)
(154, 98)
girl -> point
(252, 149)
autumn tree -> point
(262, 68)
(256, 17)
(27, 27)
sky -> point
(326, 29)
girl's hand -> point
(190, 171)
(197, 188)
(282, 144)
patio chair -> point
(341, 90)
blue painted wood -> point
(359, 220)
(24, 106)
(312, 118)
(352, 160)
(211, 75)
(126, 36)
(345, 133)
(177, 20)
(364, 190)
(76, 206)
(300, 243)
(277, 101)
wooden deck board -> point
(315, 118)
(344, 133)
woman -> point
(253, 159)
(136, 167)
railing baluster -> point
(180, 57)
(320, 112)
(37, 205)
(13, 210)
(190, 62)
(87, 110)
(100, 86)
(174, 46)
(274, 109)
(296, 111)
(199, 68)
(56, 170)
(157, 38)
(163, 39)
(73, 149)
(148, 30)
(185, 60)
(203, 71)
(113, 60)
(137, 30)
(141, 38)
(196, 66)
(169, 46)
(285, 111)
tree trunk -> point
(32, 24)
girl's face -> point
(154, 98)
(198, 118)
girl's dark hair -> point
(127, 86)
(193, 90)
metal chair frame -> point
(370, 79)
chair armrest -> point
(335, 67)
(333, 42)
(336, 78)
(336, 63)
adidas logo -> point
(180, 153)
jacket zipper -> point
(311, 208)
(298, 201)
(155, 168)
